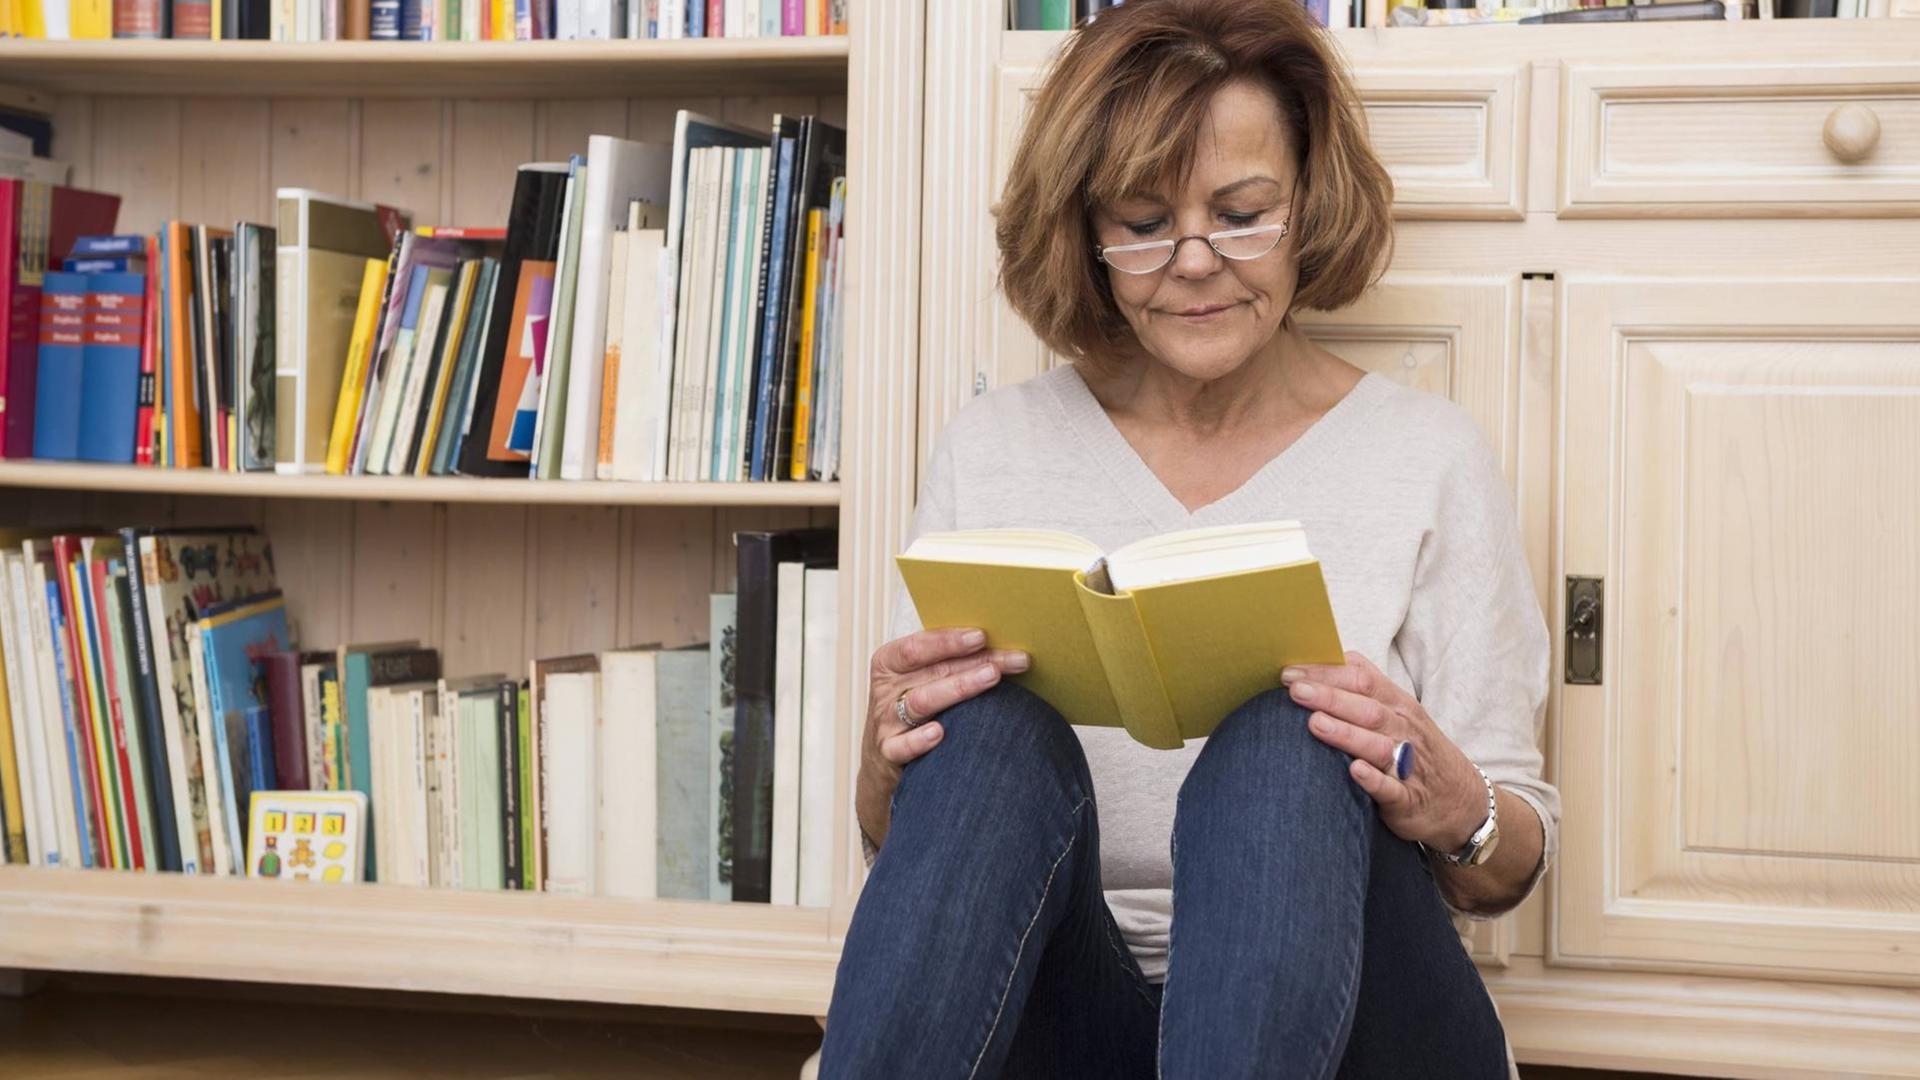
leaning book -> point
(1163, 637)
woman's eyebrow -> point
(1223, 192)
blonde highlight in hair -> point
(1121, 112)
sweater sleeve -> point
(933, 513)
(1474, 641)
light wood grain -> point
(475, 69)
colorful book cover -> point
(183, 575)
(235, 643)
(121, 722)
(132, 596)
(514, 416)
(77, 680)
(809, 312)
(150, 330)
(306, 835)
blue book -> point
(63, 330)
(261, 775)
(697, 18)
(63, 675)
(233, 641)
(412, 26)
(384, 20)
(121, 244)
(769, 19)
(110, 264)
(767, 370)
(110, 367)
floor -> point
(88, 1027)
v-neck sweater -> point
(1405, 507)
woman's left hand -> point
(1360, 712)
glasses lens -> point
(1248, 243)
(1138, 258)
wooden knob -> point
(1852, 131)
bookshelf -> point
(501, 70)
(491, 572)
(433, 489)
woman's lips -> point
(1204, 311)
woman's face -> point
(1201, 314)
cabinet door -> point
(1742, 467)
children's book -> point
(306, 835)
(1163, 637)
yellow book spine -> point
(33, 18)
(1132, 672)
(92, 19)
(16, 840)
(803, 380)
(353, 381)
(502, 20)
(449, 355)
(216, 14)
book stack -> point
(648, 312)
(420, 20)
(157, 714)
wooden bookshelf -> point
(451, 69)
(447, 489)
(752, 957)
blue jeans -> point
(1307, 939)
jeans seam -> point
(1351, 982)
(1166, 986)
(1133, 977)
(1014, 971)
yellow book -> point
(803, 379)
(92, 20)
(1164, 637)
(502, 20)
(449, 356)
(31, 18)
(353, 381)
(15, 848)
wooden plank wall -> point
(490, 585)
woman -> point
(1273, 900)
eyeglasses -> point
(1239, 245)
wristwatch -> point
(1484, 839)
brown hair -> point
(1121, 111)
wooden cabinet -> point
(1674, 272)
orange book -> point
(183, 412)
(530, 301)
(803, 379)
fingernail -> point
(1288, 675)
(986, 675)
(1303, 691)
(1019, 662)
(929, 734)
(973, 639)
(1320, 723)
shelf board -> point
(692, 954)
(414, 69)
(62, 476)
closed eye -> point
(1146, 228)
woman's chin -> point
(1203, 361)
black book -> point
(533, 232)
(760, 555)
(508, 693)
(147, 704)
(823, 156)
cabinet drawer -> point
(1763, 141)
(1454, 141)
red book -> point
(117, 720)
(149, 344)
(138, 19)
(716, 18)
(287, 709)
(38, 225)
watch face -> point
(1485, 850)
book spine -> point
(193, 19)
(57, 390)
(139, 19)
(287, 707)
(384, 20)
(86, 799)
(110, 368)
(109, 708)
(793, 18)
(507, 696)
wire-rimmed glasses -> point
(1239, 245)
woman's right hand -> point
(931, 670)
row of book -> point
(419, 20)
(156, 714)
(649, 312)
(1346, 14)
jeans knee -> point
(1265, 744)
(1008, 747)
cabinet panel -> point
(1770, 140)
(1742, 465)
(1454, 141)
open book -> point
(1163, 637)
